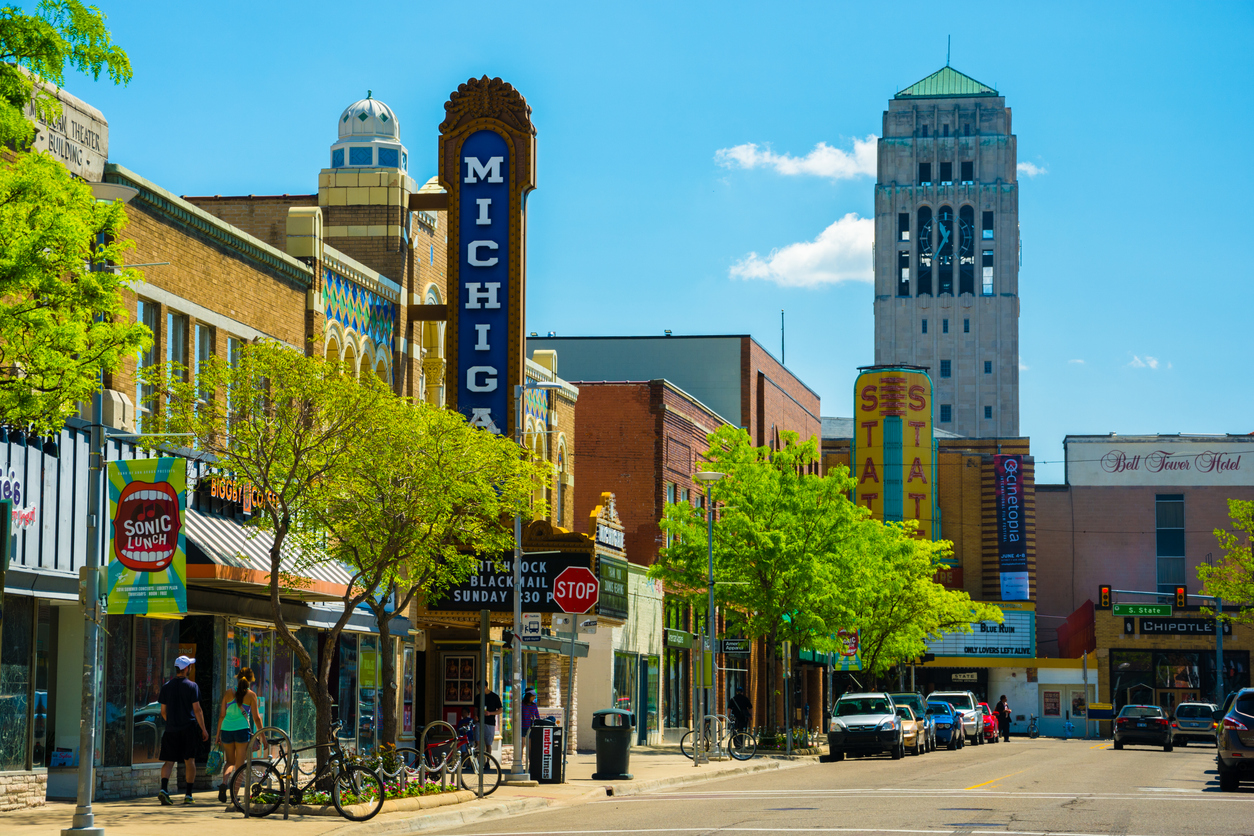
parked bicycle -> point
(356, 792)
(460, 756)
(719, 738)
(1033, 731)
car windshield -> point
(904, 712)
(985, 710)
(940, 708)
(1195, 711)
(959, 701)
(846, 708)
(912, 700)
(1141, 711)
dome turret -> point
(369, 136)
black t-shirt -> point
(179, 695)
(493, 704)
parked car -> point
(1194, 721)
(1236, 741)
(992, 731)
(1142, 724)
(967, 706)
(913, 733)
(865, 724)
(919, 706)
(949, 730)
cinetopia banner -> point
(147, 572)
(1012, 549)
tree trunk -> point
(387, 680)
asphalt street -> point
(1022, 787)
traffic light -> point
(1182, 596)
(1103, 597)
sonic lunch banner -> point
(148, 569)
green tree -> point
(292, 427)
(34, 52)
(896, 602)
(62, 319)
(781, 541)
(1232, 579)
(434, 496)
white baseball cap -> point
(183, 662)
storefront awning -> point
(234, 555)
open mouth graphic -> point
(146, 529)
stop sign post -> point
(575, 590)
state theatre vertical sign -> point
(487, 166)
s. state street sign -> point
(576, 589)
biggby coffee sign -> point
(1160, 461)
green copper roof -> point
(946, 83)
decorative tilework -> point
(364, 311)
(337, 158)
(358, 155)
(536, 407)
(389, 158)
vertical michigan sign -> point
(487, 166)
(893, 452)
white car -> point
(965, 703)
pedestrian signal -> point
(1182, 596)
(1103, 597)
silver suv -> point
(865, 724)
(965, 703)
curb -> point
(517, 806)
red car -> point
(990, 723)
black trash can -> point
(544, 758)
(614, 728)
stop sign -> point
(576, 589)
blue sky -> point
(1139, 117)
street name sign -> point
(1142, 609)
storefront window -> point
(15, 680)
(43, 640)
(368, 704)
(407, 690)
(624, 692)
(117, 746)
(156, 647)
(677, 688)
(281, 694)
(652, 683)
(257, 651)
(530, 678)
(346, 692)
(304, 719)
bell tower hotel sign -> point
(1158, 460)
(487, 166)
(78, 138)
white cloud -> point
(1031, 169)
(841, 253)
(823, 161)
(1077, 362)
(1145, 363)
(1023, 367)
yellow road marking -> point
(1101, 746)
(995, 780)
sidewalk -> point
(651, 767)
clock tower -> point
(947, 250)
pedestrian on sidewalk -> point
(741, 709)
(491, 704)
(530, 713)
(1003, 717)
(236, 726)
(181, 711)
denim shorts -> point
(237, 736)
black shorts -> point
(180, 744)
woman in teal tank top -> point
(236, 724)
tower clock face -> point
(966, 233)
(925, 237)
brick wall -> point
(23, 789)
(262, 216)
(772, 399)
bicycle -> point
(356, 792)
(468, 761)
(741, 745)
(1033, 731)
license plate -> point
(1140, 725)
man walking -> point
(180, 708)
(1003, 717)
(491, 704)
(741, 709)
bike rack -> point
(724, 723)
(422, 753)
(285, 742)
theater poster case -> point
(147, 570)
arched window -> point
(945, 251)
(559, 497)
(966, 250)
(924, 281)
(433, 355)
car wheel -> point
(1118, 744)
(1229, 781)
(918, 747)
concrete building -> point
(947, 249)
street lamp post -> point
(518, 772)
(709, 477)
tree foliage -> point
(35, 50)
(1232, 579)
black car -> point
(1236, 741)
(1146, 725)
